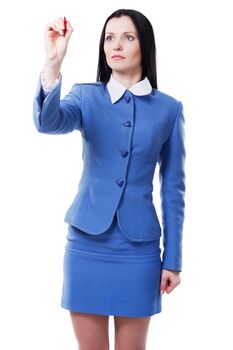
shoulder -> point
(89, 86)
(89, 89)
(171, 106)
(166, 98)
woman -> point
(112, 263)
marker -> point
(65, 24)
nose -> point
(117, 44)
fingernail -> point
(162, 291)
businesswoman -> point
(112, 262)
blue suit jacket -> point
(122, 143)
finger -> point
(173, 283)
(60, 26)
(69, 29)
(53, 27)
(68, 26)
(60, 20)
(163, 284)
(170, 288)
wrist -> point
(174, 271)
(47, 86)
(53, 63)
(51, 72)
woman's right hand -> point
(55, 41)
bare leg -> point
(91, 330)
(131, 332)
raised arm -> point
(52, 115)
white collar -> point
(116, 89)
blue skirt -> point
(108, 274)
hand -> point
(169, 280)
(55, 41)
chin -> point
(119, 69)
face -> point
(121, 46)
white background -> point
(39, 173)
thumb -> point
(69, 30)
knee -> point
(129, 344)
(92, 347)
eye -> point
(108, 38)
(130, 37)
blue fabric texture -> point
(110, 275)
(122, 144)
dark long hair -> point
(147, 45)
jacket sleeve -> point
(172, 192)
(53, 115)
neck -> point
(127, 79)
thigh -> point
(91, 330)
(131, 332)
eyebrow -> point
(123, 33)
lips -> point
(118, 57)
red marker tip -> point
(65, 24)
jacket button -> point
(124, 153)
(127, 123)
(127, 99)
(120, 182)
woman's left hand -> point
(169, 280)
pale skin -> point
(121, 38)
